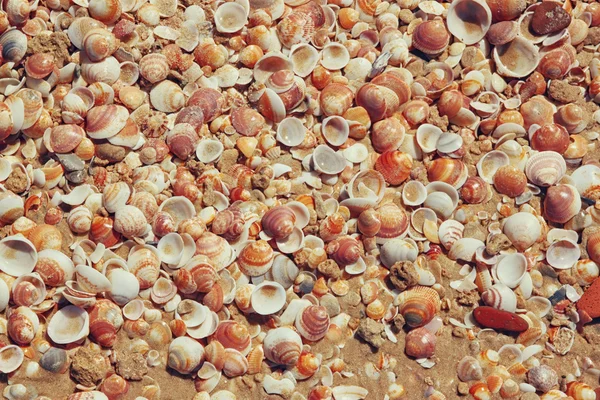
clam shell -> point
(256, 258)
(465, 249)
(268, 298)
(312, 322)
(209, 150)
(304, 59)
(335, 56)
(418, 305)
(167, 97)
(523, 229)
(70, 324)
(11, 358)
(328, 161)
(501, 297)
(490, 163)
(103, 122)
(18, 256)
(414, 193)
(398, 250)
(509, 60)
(468, 369)
(230, 17)
(291, 132)
(91, 280)
(282, 346)
(185, 355)
(450, 232)
(335, 129)
(469, 20)
(545, 168)
(511, 269)
(563, 254)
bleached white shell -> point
(523, 229)
(268, 298)
(490, 163)
(291, 132)
(196, 316)
(291, 243)
(327, 161)
(469, 20)
(427, 137)
(464, 249)
(304, 59)
(501, 297)
(69, 325)
(540, 306)
(586, 177)
(209, 150)
(180, 208)
(124, 286)
(11, 358)
(511, 269)
(563, 254)
(134, 309)
(449, 232)
(284, 271)
(414, 193)
(396, 250)
(335, 130)
(356, 153)
(344, 392)
(449, 142)
(170, 248)
(517, 58)
(230, 17)
(335, 56)
(90, 280)
(4, 295)
(18, 255)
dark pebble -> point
(549, 17)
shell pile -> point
(242, 197)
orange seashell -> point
(555, 64)
(578, 147)
(46, 236)
(214, 299)
(278, 222)
(292, 97)
(300, 25)
(247, 121)
(54, 268)
(107, 11)
(136, 328)
(196, 276)
(282, 346)
(503, 10)
(312, 322)
(537, 110)
(494, 383)
(39, 65)
(448, 170)
(26, 291)
(562, 202)
(178, 327)
(480, 391)
(22, 225)
(509, 389)
(234, 363)
(431, 37)
(114, 387)
(387, 134)
(335, 99)
(420, 343)
(105, 321)
(215, 354)
(320, 393)
(255, 359)
(510, 180)
(249, 55)
(395, 166)
(344, 250)
(308, 364)
(215, 248)
(209, 100)
(475, 190)
(154, 67)
(369, 222)
(550, 137)
(416, 112)
(418, 305)
(379, 101)
(394, 221)
(53, 216)
(580, 391)
(510, 116)
(332, 227)
(450, 103)
(395, 83)
(571, 116)
(232, 335)
(228, 223)
(256, 258)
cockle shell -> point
(562, 203)
(418, 305)
(256, 258)
(545, 168)
(282, 346)
(431, 37)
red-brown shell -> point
(394, 221)
(420, 343)
(510, 180)
(278, 222)
(550, 137)
(344, 250)
(209, 100)
(395, 166)
(474, 190)
(232, 335)
(247, 121)
(431, 37)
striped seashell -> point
(22, 325)
(159, 334)
(469, 369)
(256, 258)
(229, 223)
(333, 227)
(33, 105)
(387, 134)
(234, 363)
(278, 222)
(99, 43)
(154, 67)
(545, 168)
(130, 222)
(447, 170)
(14, 45)
(185, 355)
(420, 343)
(282, 346)
(167, 97)
(144, 263)
(418, 305)
(178, 327)
(394, 221)
(501, 297)
(105, 321)
(232, 335)
(215, 354)
(214, 299)
(475, 190)
(136, 328)
(106, 11)
(562, 202)
(28, 290)
(114, 387)
(344, 250)
(46, 236)
(216, 248)
(209, 100)
(115, 196)
(243, 296)
(336, 99)
(379, 101)
(196, 276)
(106, 121)
(64, 138)
(255, 359)
(312, 322)
(449, 232)
(369, 222)
(395, 166)
(101, 231)
(580, 391)
(54, 267)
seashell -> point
(475, 190)
(271, 106)
(447, 170)
(54, 267)
(98, 44)
(336, 99)
(414, 193)
(394, 221)
(102, 231)
(510, 181)
(256, 258)
(124, 286)
(312, 323)
(216, 249)
(278, 222)
(489, 164)
(545, 168)
(246, 121)
(420, 343)
(106, 121)
(196, 275)
(28, 290)
(450, 232)
(69, 325)
(300, 25)
(182, 140)
(501, 297)
(267, 298)
(230, 17)
(511, 269)
(185, 355)
(167, 97)
(106, 71)
(106, 11)
(234, 363)
(12, 358)
(284, 271)
(14, 45)
(395, 166)
(563, 254)
(210, 101)
(43, 237)
(509, 63)
(328, 161)
(232, 335)
(571, 117)
(379, 101)
(22, 325)
(55, 360)
(291, 132)
(80, 219)
(18, 256)
(418, 305)
(469, 369)
(537, 110)
(387, 135)
(542, 378)
(130, 222)
(431, 37)
(105, 320)
(154, 67)
(522, 229)
(134, 309)
(469, 20)
(334, 56)
(398, 250)
(580, 391)
(562, 202)
(502, 32)
(550, 137)
(585, 271)
(335, 130)
(304, 59)
(282, 346)
(114, 386)
(555, 64)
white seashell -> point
(18, 255)
(292, 243)
(270, 63)
(585, 271)
(414, 193)
(90, 280)
(556, 234)
(274, 386)
(335, 129)
(327, 161)
(209, 150)
(349, 392)
(449, 142)
(124, 286)
(134, 309)
(167, 97)
(11, 358)
(523, 229)
(230, 17)
(465, 249)
(334, 56)
(469, 20)
(563, 254)
(510, 354)
(490, 163)
(501, 297)
(180, 208)
(70, 324)
(170, 248)
(427, 137)
(207, 328)
(268, 298)
(540, 306)
(356, 153)
(510, 270)
(291, 132)
(510, 61)
(398, 250)
(449, 232)
(284, 271)
(586, 177)
(441, 203)
(192, 313)
(304, 59)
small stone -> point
(372, 332)
(55, 360)
(71, 162)
(89, 366)
(590, 300)
(593, 37)
(331, 304)
(404, 275)
(399, 321)
(131, 366)
(498, 319)
(562, 92)
(330, 269)
(462, 389)
(76, 176)
(549, 17)
(110, 152)
(497, 243)
(542, 377)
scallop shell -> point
(70, 324)
(418, 305)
